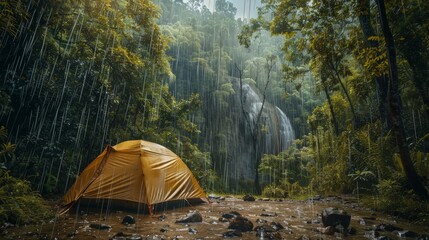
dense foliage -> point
(77, 75)
(370, 135)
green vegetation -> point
(78, 75)
(19, 204)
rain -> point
(211, 119)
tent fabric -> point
(137, 171)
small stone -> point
(128, 220)
(268, 214)
(329, 230)
(406, 233)
(387, 227)
(371, 234)
(248, 198)
(382, 238)
(192, 230)
(191, 217)
(99, 226)
(276, 226)
(231, 215)
(232, 233)
(260, 220)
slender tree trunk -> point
(253, 134)
(337, 75)
(363, 10)
(395, 109)
(331, 108)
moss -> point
(19, 204)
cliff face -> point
(234, 152)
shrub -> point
(274, 192)
(18, 203)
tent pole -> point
(149, 206)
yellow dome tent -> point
(135, 171)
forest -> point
(308, 97)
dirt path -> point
(300, 219)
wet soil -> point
(300, 219)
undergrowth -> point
(19, 204)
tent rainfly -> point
(135, 171)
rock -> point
(423, 237)
(304, 237)
(315, 198)
(329, 230)
(213, 196)
(268, 214)
(100, 226)
(248, 198)
(192, 230)
(191, 217)
(264, 228)
(241, 223)
(383, 238)
(333, 217)
(232, 233)
(406, 233)
(260, 220)
(351, 231)
(265, 199)
(362, 221)
(315, 221)
(371, 234)
(387, 227)
(162, 217)
(231, 215)
(340, 229)
(276, 226)
(275, 236)
(119, 238)
(135, 237)
(128, 220)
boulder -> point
(334, 216)
(191, 217)
(241, 223)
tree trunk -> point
(331, 108)
(395, 110)
(337, 76)
(363, 9)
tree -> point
(395, 108)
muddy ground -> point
(300, 219)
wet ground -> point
(300, 219)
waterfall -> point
(278, 129)
(287, 135)
(234, 152)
